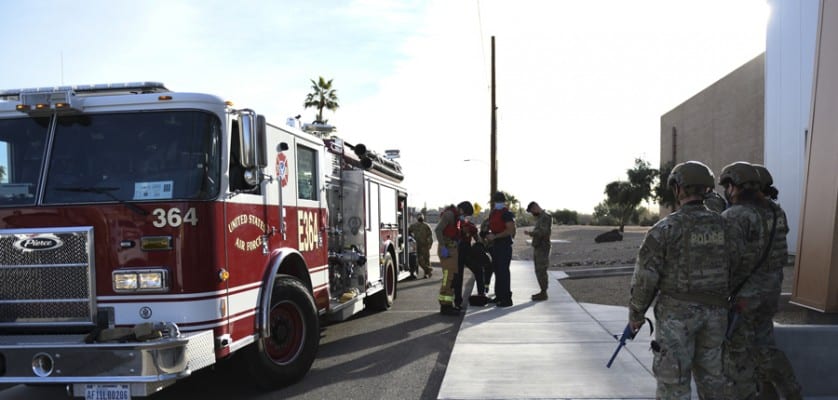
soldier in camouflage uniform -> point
(424, 239)
(751, 355)
(541, 247)
(715, 202)
(685, 259)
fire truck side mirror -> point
(253, 141)
(247, 134)
(261, 142)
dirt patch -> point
(574, 246)
(577, 250)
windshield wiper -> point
(107, 192)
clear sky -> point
(581, 85)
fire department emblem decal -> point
(39, 242)
(282, 168)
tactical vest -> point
(698, 262)
(496, 222)
(452, 231)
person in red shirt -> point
(448, 237)
(501, 232)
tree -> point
(642, 177)
(623, 200)
(565, 217)
(322, 96)
(602, 215)
(624, 197)
(514, 203)
(663, 194)
(2, 172)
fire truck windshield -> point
(99, 158)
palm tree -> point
(322, 96)
(514, 203)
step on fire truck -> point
(146, 234)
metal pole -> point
(493, 161)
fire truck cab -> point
(146, 234)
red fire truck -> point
(146, 234)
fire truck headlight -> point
(151, 280)
(125, 281)
(141, 280)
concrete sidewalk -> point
(554, 349)
(558, 349)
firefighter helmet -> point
(691, 173)
(740, 174)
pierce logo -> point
(38, 243)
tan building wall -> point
(721, 124)
(816, 266)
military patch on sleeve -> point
(650, 245)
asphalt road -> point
(399, 353)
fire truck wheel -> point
(384, 299)
(285, 356)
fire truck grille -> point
(46, 277)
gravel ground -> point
(576, 250)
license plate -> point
(107, 392)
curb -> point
(598, 272)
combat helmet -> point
(740, 174)
(765, 178)
(691, 173)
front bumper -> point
(67, 359)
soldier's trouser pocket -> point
(667, 367)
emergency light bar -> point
(46, 102)
(63, 98)
(115, 88)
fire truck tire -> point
(287, 354)
(384, 299)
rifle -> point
(734, 312)
(628, 334)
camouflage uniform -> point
(715, 202)
(687, 258)
(450, 263)
(541, 247)
(424, 239)
(751, 355)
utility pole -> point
(493, 158)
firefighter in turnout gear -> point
(685, 260)
(424, 239)
(448, 236)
